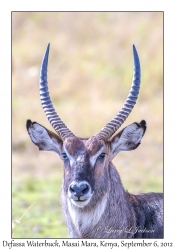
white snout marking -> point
(80, 204)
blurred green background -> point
(90, 73)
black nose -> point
(79, 189)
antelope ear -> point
(43, 138)
(129, 138)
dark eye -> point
(64, 155)
(102, 155)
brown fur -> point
(105, 209)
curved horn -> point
(112, 126)
(46, 102)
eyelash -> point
(102, 155)
(64, 155)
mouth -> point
(80, 203)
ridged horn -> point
(46, 102)
(111, 127)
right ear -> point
(43, 138)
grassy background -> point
(90, 73)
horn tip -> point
(134, 49)
(48, 47)
(136, 57)
(46, 55)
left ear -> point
(129, 138)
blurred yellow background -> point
(90, 73)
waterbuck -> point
(94, 202)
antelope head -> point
(86, 161)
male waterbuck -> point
(94, 202)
